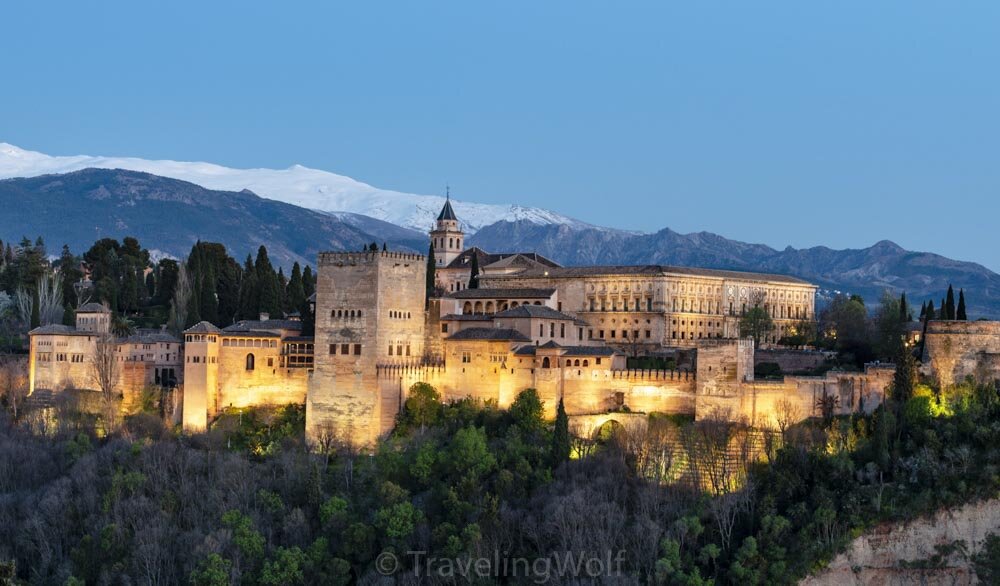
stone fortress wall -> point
(954, 350)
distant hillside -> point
(867, 271)
(170, 215)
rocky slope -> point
(170, 215)
(298, 185)
(903, 553)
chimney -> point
(264, 316)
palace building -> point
(522, 322)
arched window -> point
(576, 362)
(586, 363)
(513, 304)
(467, 308)
(545, 362)
(479, 307)
(250, 361)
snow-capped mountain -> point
(297, 185)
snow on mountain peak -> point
(297, 185)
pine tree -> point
(560, 436)
(950, 303)
(431, 276)
(960, 312)
(474, 276)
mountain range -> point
(308, 188)
(297, 212)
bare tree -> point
(50, 305)
(105, 371)
(786, 414)
(13, 382)
(50, 300)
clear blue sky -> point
(801, 123)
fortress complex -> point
(522, 322)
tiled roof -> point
(467, 317)
(489, 334)
(447, 213)
(650, 270)
(151, 338)
(464, 260)
(530, 350)
(203, 327)
(59, 329)
(248, 325)
(536, 311)
(92, 308)
(249, 334)
(550, 344)
(521, 293)
(299, 339)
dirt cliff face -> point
(927, 551)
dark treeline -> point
(210, 285)
(677, 501)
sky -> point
(785, 123)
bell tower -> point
(446, 237)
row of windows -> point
(625, 305)
(249, 343)
(490, 307)
(60, 357)
(399, 349)
(546, 363)
(345, 349)
(399, 314)
(199, 338)
(614, 334)
(202, 359)
(452, 243)
(345, 313)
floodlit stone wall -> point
(957, 349)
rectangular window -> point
(357, 349)
(612, 333)
(597, 361)
(390, 349)
(270, 361)
(333, 349)
(562, 330)
(466, 357)
(649, 334)
(345, 349)
(600, 334)
(444, 328)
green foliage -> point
(423, 405)
(249, 541)
(561, 445)
(756, 323)
(987, 561)
(212, 571)
(285, 567)
(527, 411)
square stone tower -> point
(369, 313)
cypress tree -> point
(929, 314)
(308, 282)
(560, 436)
(431, 276)
(474, 276)
(923, 310)
(904, 310)
(208, 304)
(950, 303)
(295, 293)
(942, 310)
(384, 248)
(960, 312)
(269, 300)
(248, 291)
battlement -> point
(984, 327)
(367, 257)
(652, 375)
